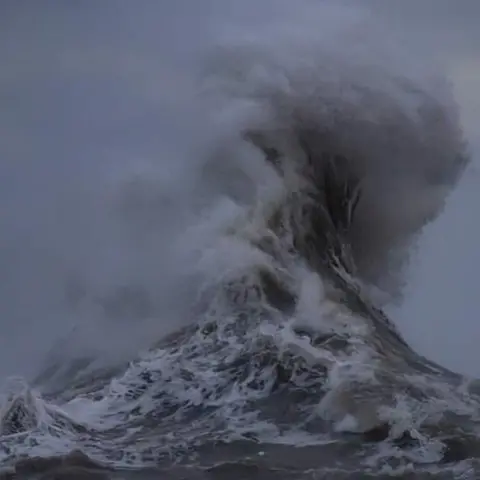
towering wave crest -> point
(327, 160)
(367, 154)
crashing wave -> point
(347, 162)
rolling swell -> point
(289, 346)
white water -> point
(99, 124)
(106, 143)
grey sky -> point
(440, 316)
(84, 85)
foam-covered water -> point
(219, 308)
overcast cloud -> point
(87, 84)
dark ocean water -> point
(220, 312)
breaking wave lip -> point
(329, 167)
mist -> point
(439, 314)
(96, 95)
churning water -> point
(200, 281)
